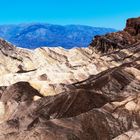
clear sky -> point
(101, 13)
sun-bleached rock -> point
(58, 65)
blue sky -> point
(100, 13)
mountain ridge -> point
(38, 35)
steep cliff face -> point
(133, 27)
(79, 94)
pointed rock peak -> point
(4, 45)
(133, 26)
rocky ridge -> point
(78, 94)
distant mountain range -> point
(37, 35)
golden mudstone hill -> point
(78, 94)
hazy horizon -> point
(108, 14)
(30, 23)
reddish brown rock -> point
(119, 40)
(133, 27)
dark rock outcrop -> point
(2, 89)
(119, 40)
(133, 27)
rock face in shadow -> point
(133, 27)
(119, 40)
(113, 41)
(101, 106)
